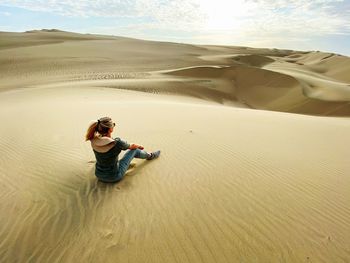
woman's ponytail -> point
(102, 126)
(90, 134)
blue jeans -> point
(124, 163)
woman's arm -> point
(124, 145)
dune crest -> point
(279, 80)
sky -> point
(305, 25)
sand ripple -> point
(241, 177)
(231, 184)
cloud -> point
(302, 16)
(5, 14)
(168, 11)
(231, 21)
(293, 15)
(161, 13)
(77, 8)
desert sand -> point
(255, 151)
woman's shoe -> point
(153, 155)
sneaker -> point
(154, 155)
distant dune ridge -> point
(254, 165)
(279, 80)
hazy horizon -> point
(298, 25)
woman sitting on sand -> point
(107, 149)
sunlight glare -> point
(224, 14)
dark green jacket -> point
(107, 161)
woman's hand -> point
(136, 146)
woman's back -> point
(107, 150)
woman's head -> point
(103, 126)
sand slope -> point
(241, 178)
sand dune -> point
(320, 85)
(283, 90)
(243, 176)
(253, 60)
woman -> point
(107, 149)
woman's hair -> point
(101, 126)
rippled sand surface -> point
(241, 178)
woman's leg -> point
(126, 160)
